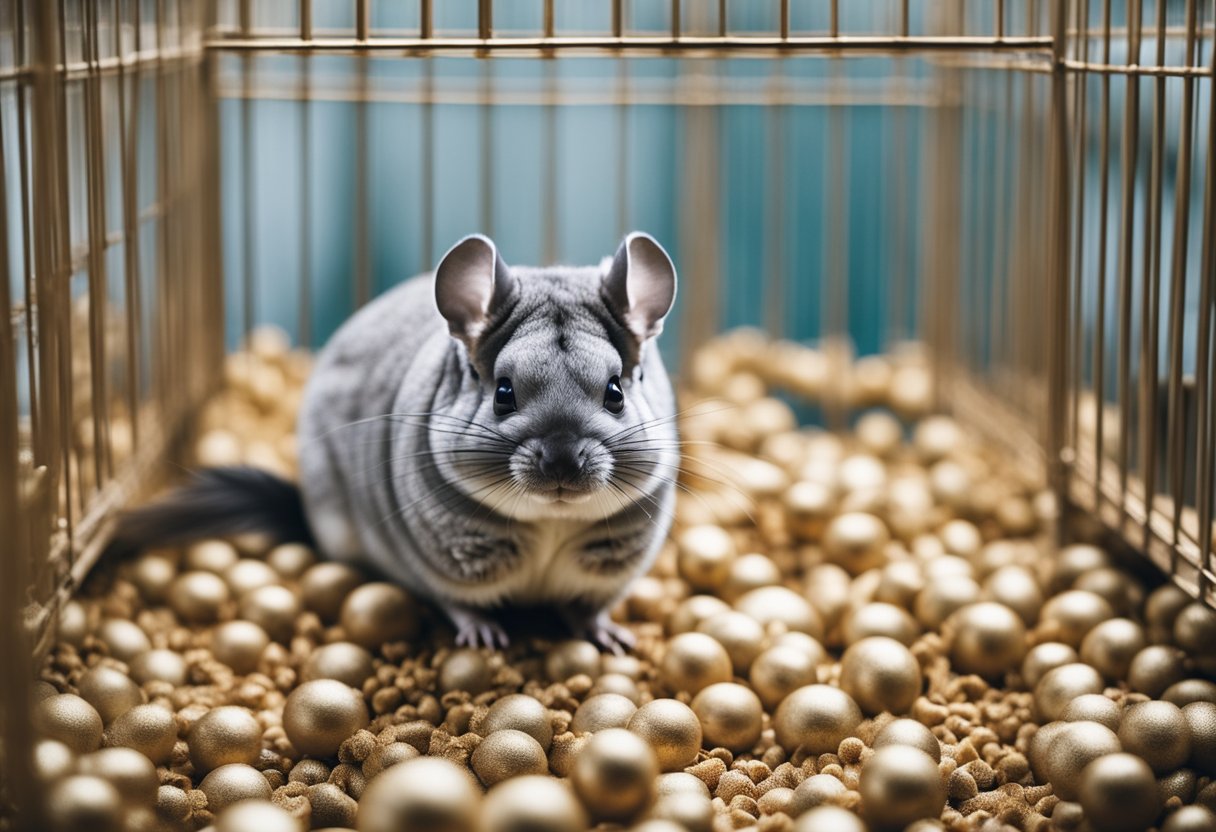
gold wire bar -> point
(248, 199)
(363, 14)
(1099, 372)
(1133, 71)
(128, 148)
(548, 23)
(1057, 342)
(1131, 144)
(428, 168)
(362, 241)
(774, 241)
(785, 19)
(1077, 347)
(549, 158)
(426, 20)
(485, 19)
(618, 18)
(737, 45)
(722, 27)
(304, 337)
(1206, 362)
(834, 22)
(486, 116)
(305, 19)
(17, 753)
(622, 149)
(1176, 416)
(675, 20)
(97, 278)
(1150, 299)
(1000, 19)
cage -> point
(1024, 188)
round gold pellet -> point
(1074, 613)
(197, 596)
(614, 775)
(783, 669)
(572, 657)
(532, 804)
(731, 716)
(881, 675)
(239, 644)
(381, 758)
(705, 555)
(1111, 645)
(604, 710)
(211, 556)
(464, 669)
(149, 729)
(110, 691)
(125, 639)
(84, 801)
(52, 760)
(617, 683)
(880, 619)
(1158, 733)
(693, 661)
(1155, 668)
(857, 541)
(248, 574)
(1074, 747)
(829, 819)
(506, 754)
(274, 608)
(779, 605)
(1119, 794)
(1044, 657)
(814, 791)
(987, 639)
(523, 713)
(291, 560)
(909, 732)
(376, 613)
(319, 715)
(672, 729)
(344, 662)
(741, 635)
(690, 612)
(899, 785)
(222, 736)
(70, 720)
(256, 816)
(130, 772)
(1063, 684)
(324, 587)
(748, 572)
(1093, 707)
(817, 717)
(152, 574)
(160, 665)
(233, 783)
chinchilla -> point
(485, 435)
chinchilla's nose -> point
(562, 460)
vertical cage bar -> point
(784, 12)
(485, 19)
(305, 19)
(675, 19)
(128, 148)
(774, 244)
(428, 166)
(248, 196)
(362, 231)
(61, 274)
(1099, 368)
(1150, 295)
(549, 158)
(624, 86)
(1057, 353)
(363, 14)
(1076, 345)
(304, 310)
(548, 19)
(618, 17)
(486, 149)
(15, 700)
(1131, 150)
(426, 19)
(96, 220)
(1176, 416)
(1206, 361)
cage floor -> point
(869, 628)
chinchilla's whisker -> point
(675, 482)
(456, 492)
(650, 423)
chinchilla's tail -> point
(216, 502)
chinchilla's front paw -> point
(601, 630)
(475, 628)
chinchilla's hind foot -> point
(475, 628)
(601, 630)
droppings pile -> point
(848, 631)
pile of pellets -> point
(869, 629)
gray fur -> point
(405, 466)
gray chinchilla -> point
(484, 435)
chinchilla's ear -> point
(470, 282)
(641, 284)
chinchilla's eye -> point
(614, 396)
(504, 397)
